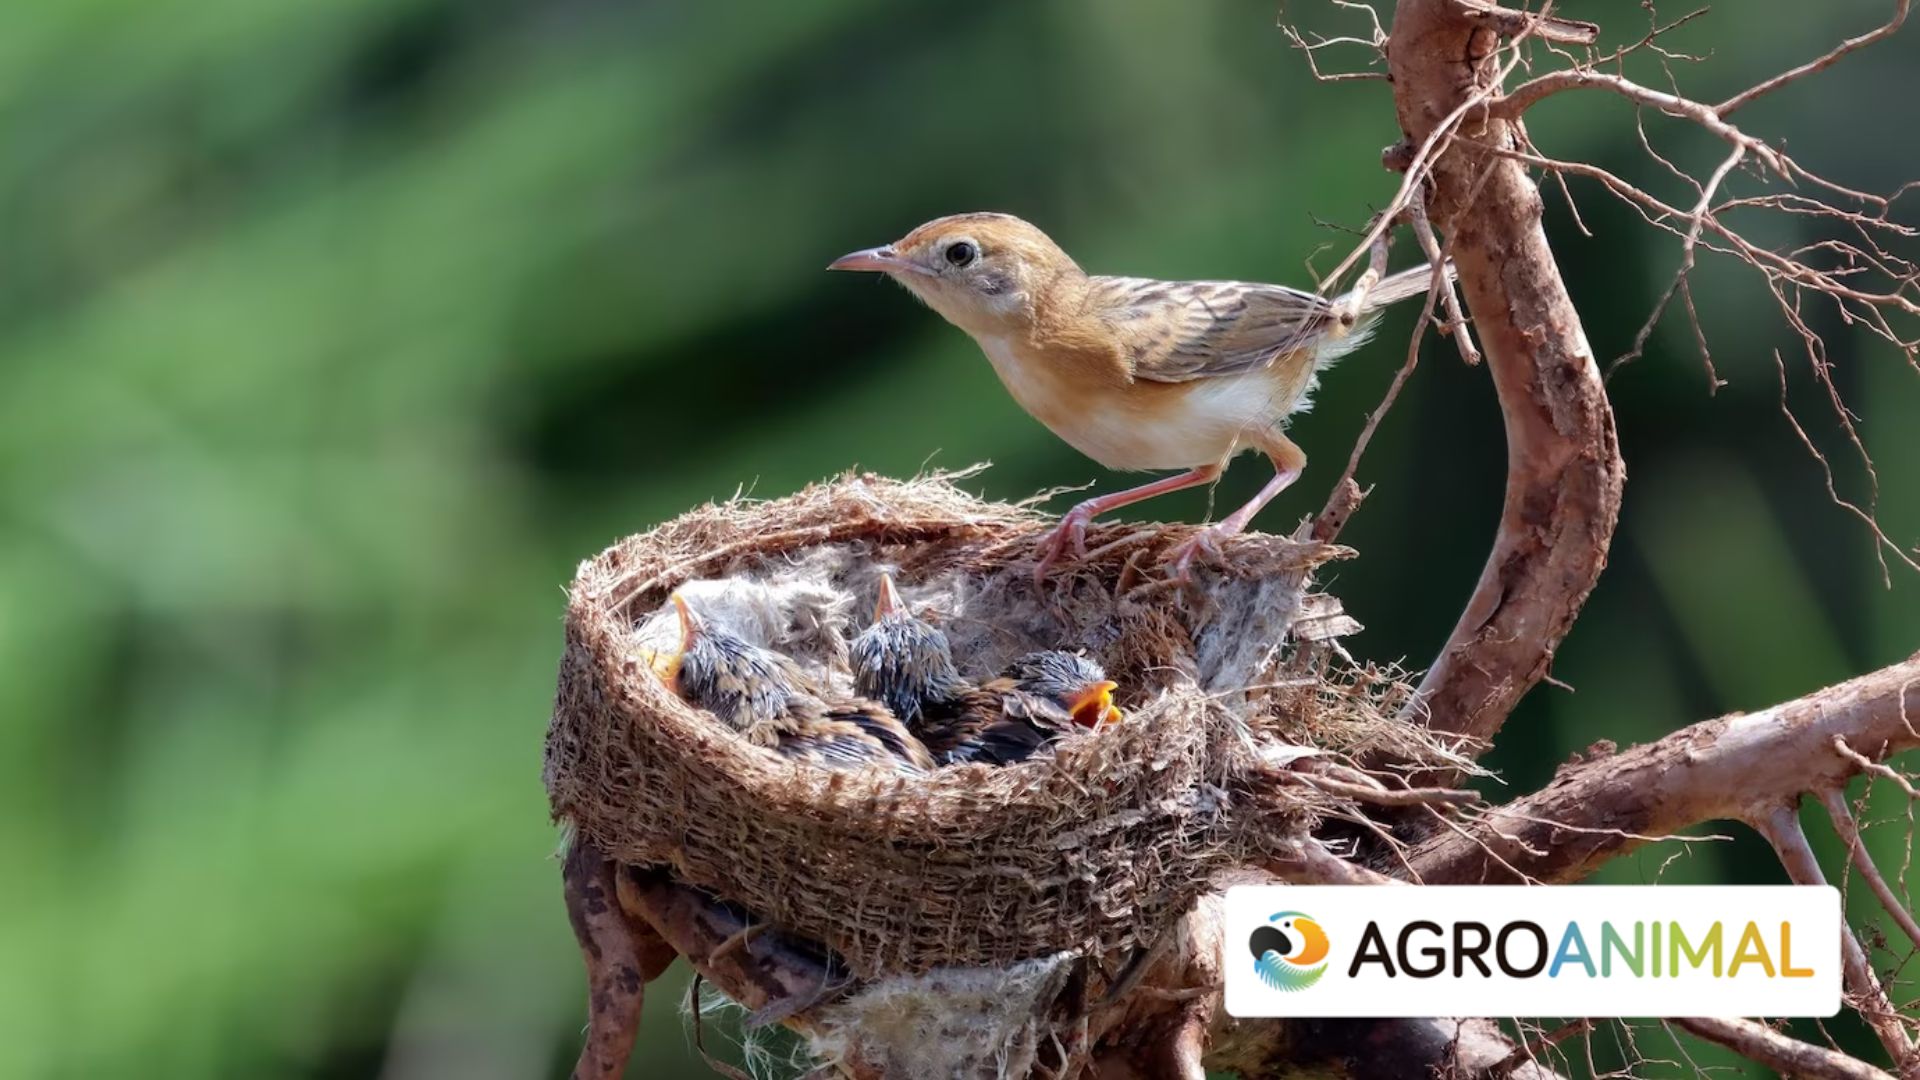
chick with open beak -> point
(767, 698)
(907, 664)
(1045, 696)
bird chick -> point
(907, 663)
(1135, 373)
(794, 614)
(767, 698)
(1042, 696)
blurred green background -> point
(333, 335)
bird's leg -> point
(1071, 533)
(1288, 462)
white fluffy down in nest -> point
(797, 610)
(973, 1022)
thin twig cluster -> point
(1854, 261)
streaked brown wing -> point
(1026, 724)
(947, 723)
(1178, 331)
(876, 723)
(845, 733)
(837, 744)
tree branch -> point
(1757, 1042)
(1564, 473)
(622, 955)
(1781, 827)
(1735, 767)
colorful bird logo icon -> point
(1290, 951)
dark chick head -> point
(730, 677)
(901, 661)
(1070, 680)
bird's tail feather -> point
(1388, 290)
(1402, 286)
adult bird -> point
(767, 698)
(906, 663)
(1135, 373)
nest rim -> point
(1181, 738)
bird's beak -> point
(882, 260)
(889, 599)
(1095, 706)
(667, 664)
(689, 622)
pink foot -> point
(1205, 541)
(1068, 536)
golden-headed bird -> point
(1135, 373)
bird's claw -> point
(1205, 541)
(1068, 536)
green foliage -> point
(335, 334)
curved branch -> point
(1564, 472)
(622, 955)
(1736, 767)
(1757, 1042)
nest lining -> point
(1094, 850)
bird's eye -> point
(961, 253)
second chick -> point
(906, 664)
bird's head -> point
(719, 671)
(901, 661)
(1071, 681)
(983, 272)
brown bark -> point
(768, 971)
(621, 957)
(1736, 767)
(1789, 1056)
(1564, 472)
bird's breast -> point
(1140, 425)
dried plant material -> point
(986, 1022)
(1096, 850)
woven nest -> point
(1095, 849)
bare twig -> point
(1821, 63)
(1420, 796)
(1849, 830)
(1513, 105)
(1530, 1051)
(1781, 827)
(1867, 765)
(1510, 23)
(1762, 1044)
(1456, 324)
